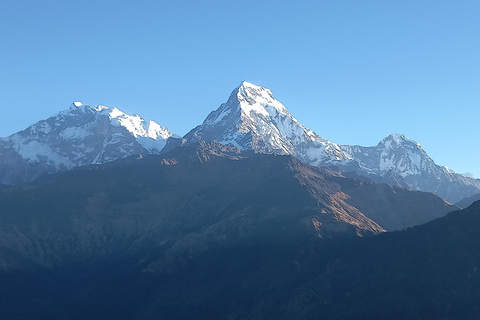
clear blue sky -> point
(352, 71)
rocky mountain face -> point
(191, 199)
(465, 203)
(401, 161)
(78, 136)
(240, 219)
(207, 231)
(426, 272)
(252, 119)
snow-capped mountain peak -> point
(253, 119)
(395, 154)
(77, 136)
(76, 107)
(135, 124)
(258, 99)
(248, 99)
(397, 139)
(403, 155)
(402, 161)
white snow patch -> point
(34, 150)
(255, 98)
(151, 144)
(138, 126)
(416, 159)
(115, 113)
(72, 133)
(223, 114)
(399, 138)
(386, 163)
(100, 108)
(154, 131)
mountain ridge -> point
(215, 232)
(79, 135)
(194, 198)
(251, 119)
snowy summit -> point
(253, 119)
(78, 136)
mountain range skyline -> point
(353, 73)
(251, 119)
(239, 160)
(470, 171)
(139, 237)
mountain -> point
(398, 160)
(252, 119)
(75, 137)
(426, 272)
(193, 198)
(465, 203)
(207, 231)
